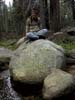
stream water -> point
(8, 93)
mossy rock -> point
(32, 63)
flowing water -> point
(8, 93)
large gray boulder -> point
(57, 84)
(20, 41)
(32, 62)
(5, 53)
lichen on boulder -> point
(34, 62)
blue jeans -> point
(37, 35)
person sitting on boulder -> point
(33, 26)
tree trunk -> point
(54, 15)
(6, 19)
(48, 3)
(73, 9)
(42, 16)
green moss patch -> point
(10, 44)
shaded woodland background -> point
(55, 15)
(58, 16)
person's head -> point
(34, 12)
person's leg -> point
(43, 32)
(32, 36)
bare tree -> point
(42, 16)
(54, 15)
(73, 8)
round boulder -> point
(57, 84)
(20, 41)
(32, 63)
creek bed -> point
(8, 93)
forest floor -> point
(67, 46)
(11, 44)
